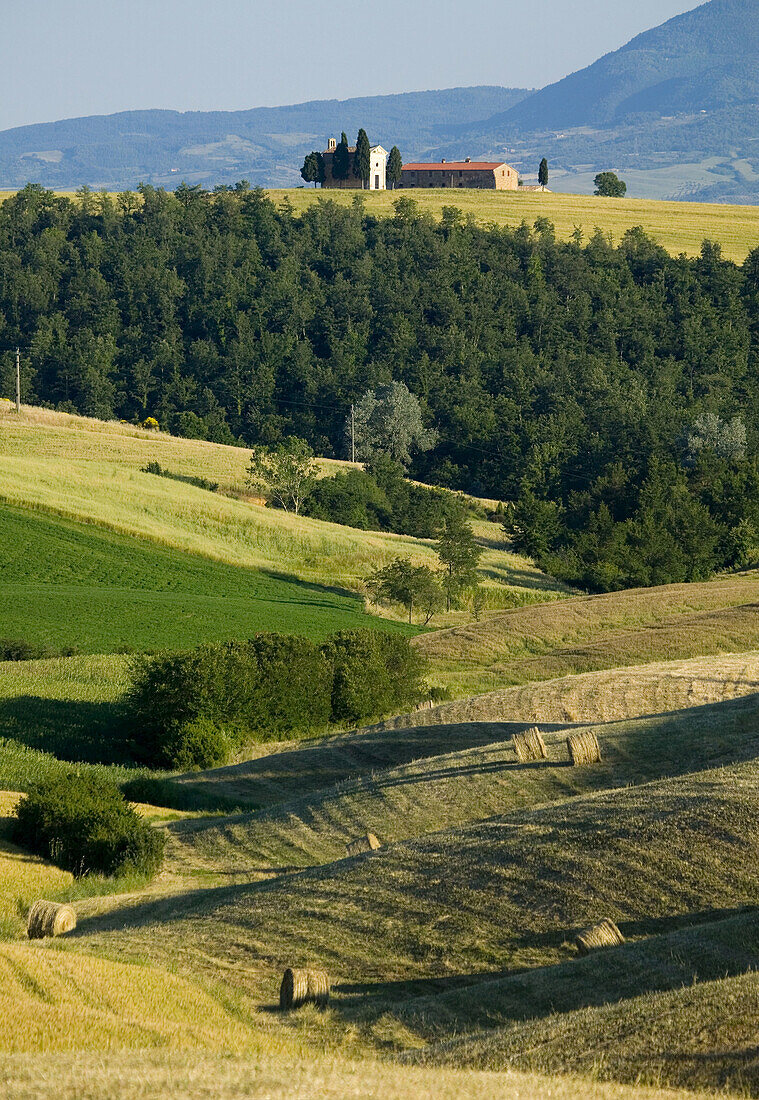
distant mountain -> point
(707, 59)
(265, 145)
(676, 111)
(678, 107)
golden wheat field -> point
(677, 226)
(147, 1075)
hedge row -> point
(192, 710)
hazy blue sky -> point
(62, 58)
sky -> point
(83, 57)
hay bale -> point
(368, 843)
(603, 934)
(46, 918)
(300, 987)
(584, 748)
(529, 746)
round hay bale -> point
(368, 843)
(603, 934)
(584, 748)
(300, 987)
(529, 746)
(47, 918)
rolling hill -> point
(450, 948)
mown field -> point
(677, 226)
(585, 633)
(451, 948)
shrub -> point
(372, 674)
(150, 424)
(188, 479)
(82, 822)
(199, 743)
(295, 684)
(192, 709)
(17, 649)
(381, 499)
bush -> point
(16, 649)
(199, 743)
(188, 479)
(373, 674)
(381, 499)
(192, 709)
(82, 823)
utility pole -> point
(18, 380)
(353, 434)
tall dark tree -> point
(362, 159)
(394, 167)
(341, 159)
(543, 173)
(313, 168)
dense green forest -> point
(610, 390)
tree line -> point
(577, 380)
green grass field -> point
(79, 585)
(104, 486)
(677, 226)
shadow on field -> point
(319, 590)
(95, 733)
(707, 945)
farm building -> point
(486, 175)
(377, 175)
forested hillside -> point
(612, 391)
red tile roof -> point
(455, 166)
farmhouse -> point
(487, 175)
(377, 174)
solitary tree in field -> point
(388, 421)
(362, 160)
(407, 584)
(458, 551)
(543, 173)
(610, 186)
(341, 159)
(284, 475)
(394, 167)
(313, 168)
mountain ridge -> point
(676, 107)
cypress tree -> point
(362, 160)
(394, 167)
(543, 173)
(341, 159)
(310, 171)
